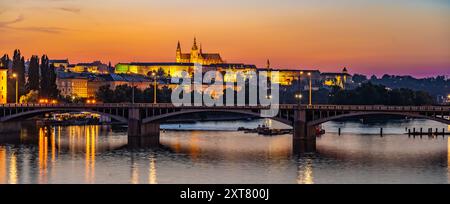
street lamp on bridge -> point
(310, 88)
(154, 87)
(14, 76)
(299, 97)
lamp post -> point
(299, 88)
(299, 97)
(132, 88)
(154, 87)
(14, 76)
(310, 88)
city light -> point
(14, 75)
(43, 100)
(91, 101)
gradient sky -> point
(370, 37)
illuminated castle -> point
(197, 56)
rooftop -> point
(59, 61)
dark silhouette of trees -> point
(433, 85)
(53, 91)
(359, 78)
(48, 86)
(124, 93)
(18, 68)
(370, 94)
(33, 74)
(4, 61)
(45, 79)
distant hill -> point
(435, 85)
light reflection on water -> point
(97, 154)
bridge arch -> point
(191, 111)
(35, 112)
(412, 115)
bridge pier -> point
(304, 137)
(140, 134)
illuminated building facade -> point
(85, 85)
(197, 56)
(95, 67)
(287, 77)
(60, 63)
(172, 69)
(72, 86)
(342, 79)
(3, 84)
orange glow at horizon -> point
(408, 37)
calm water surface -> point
(99, 154)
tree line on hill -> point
(366, 94)
(372, 94)
(435, 86)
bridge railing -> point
(377, 108)
(281, 106)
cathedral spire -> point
(178, 46)
(194, 47)
(268, 64)
(200, 48)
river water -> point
(213, 152)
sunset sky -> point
(370, 37)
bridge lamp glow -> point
(43, 100)
(14, 75)
(298, 96)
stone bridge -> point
(143, 119)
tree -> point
(30, 97)
(105, 94)
(4, 61)
(33, 74)
(45, 78)
(370, 94)
(18, 68)
(53, 91)
(359, 78)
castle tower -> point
(194, 52)
(178, 53)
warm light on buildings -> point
(3, 85)
(91, 101)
